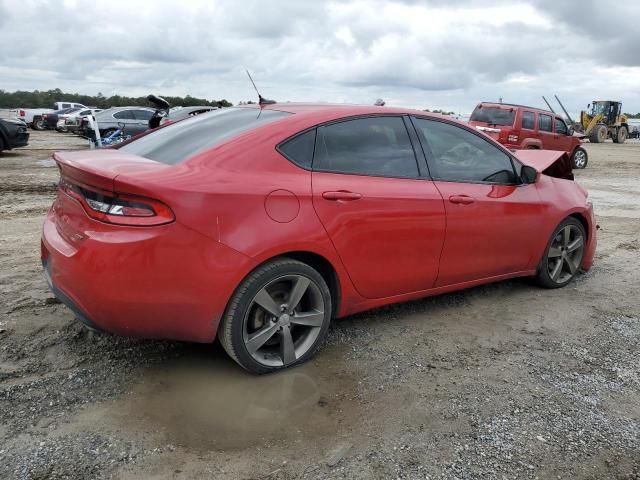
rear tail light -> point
(512, 138)
(45, 116)
(119, 209)
(22, 113)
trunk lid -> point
(99, 168)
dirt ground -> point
(502, 381)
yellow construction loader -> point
(604, 119)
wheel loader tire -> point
(622, 135)
(599, 134)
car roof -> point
(322, 112)
(515, 105)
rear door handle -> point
(461, 199)
(341, 195)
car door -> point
(491, 218)
(127, 121)
(545, 129)
(142, 119)
(385, 219)
(563, 140)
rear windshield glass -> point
(493, 115)
(182, 140)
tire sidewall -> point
(543, 268)
(243, 297)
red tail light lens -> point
(119, 209)
(22, 113)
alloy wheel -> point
(565, 254)
(283, 320)
(579, 159)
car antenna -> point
(261, 99)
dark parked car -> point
(13, 134)
(51, 119)
(132, 120)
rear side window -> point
(544, 122)
(493, 115)
(300, 148)
(458, 155)
(182, 140)
(66, 105)
(528, 120)
(378, 146)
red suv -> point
(519, 127)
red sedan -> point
(261, 224)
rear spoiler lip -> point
(71, 170)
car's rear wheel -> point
(38, 123)
(563, 255)
(579, 158)
(278, 317)
(1, 145)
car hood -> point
(550, 162)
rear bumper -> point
(164, 282)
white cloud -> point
(435, 53)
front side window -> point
(181, 140)
(528, 120)
(377, 146)
(143, 114)
(458, 155)
(544, 122)
(561, 127)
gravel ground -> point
(501, 381)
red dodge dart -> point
(261, 224)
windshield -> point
(599, 107)
(493, 115)
(181, 140)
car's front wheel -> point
(579, 158)
(563, 255)
(278, 317)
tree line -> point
(46, 99)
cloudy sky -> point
(425, 54)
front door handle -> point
(341, 195)
(461, 199)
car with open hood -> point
(520, 128)
(261, 224)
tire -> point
(38, 123)
(273, 284)
(564, 246)
(622, 135)
(599, 134)
(1, 145)
(579, 158)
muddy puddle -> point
(203, 401)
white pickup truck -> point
(33, 116)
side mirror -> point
(571, 131)
(528, 174)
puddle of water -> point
(206, 402)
